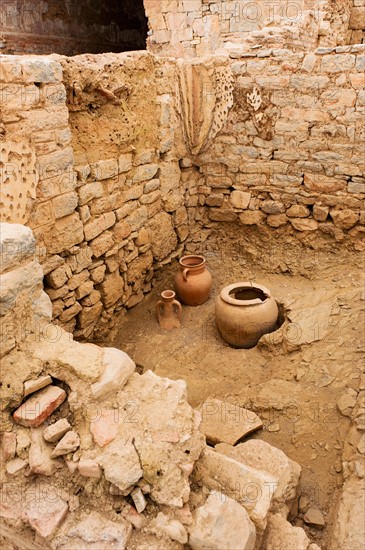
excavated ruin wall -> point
(291, 154)
(193, 28)
(95, 175)
(119, 162)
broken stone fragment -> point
(118, 367)
(250, 487)
(55, 431)
(314, 518)
(39, 406)
(104, 428)
(8, 446)
(98, 532)
(262, 456)
(227, 422)
(347, 402)
(121, 464)
(89, 468)
(282, 535)
(31, 386)
(222, 523)
(171, 527)
(40, 460)
(46, 514)
(68, 444)
(139, 500)
(130, 514)
(15, 466)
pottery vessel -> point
(193, 282)
(244, 312)
(168, 311)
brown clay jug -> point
(244, 312)
(168, 311)
(193, 282)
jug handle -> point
(185, 273)
(179, 308)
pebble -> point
(68, 444)
(303, 504)
(314, 518)
(55, 431)
(273, 428)
(15, 466)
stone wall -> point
(190, 28)
(291, 154)
(357, 22)
(69, 28)
(117, 170)
(92, 167)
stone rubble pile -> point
(130, 445)
(95, 455)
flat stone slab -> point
(55, 431)
(31, 386)
(39, 406)
(251, 488)
(224, 422)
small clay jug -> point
(168, 311)
(193, 282)
(244, 312)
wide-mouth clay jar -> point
(244, 312)
(193, 282)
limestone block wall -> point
(291, 154)
(24, 307)
(90, 150)
(357, 22)
(120, 162)
(192, 28)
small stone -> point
(40, 460)
(15, 466)
(304, 224)
(39, 406)
(130, 514)
(22, 440)
(69, 443)
(139, 500)
(314, 518)
(46, 514)
(104, 428)
(55, 431)
(240, 199)
(172, 528)
(89, 468)
(273, 427)
(346, 403)
(118, 367)
(227, 422)
(222, 523)
(8, 446)
(31, 386)
(303, 504)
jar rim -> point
(192, 260)
(245, 285)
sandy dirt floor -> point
(294, 391)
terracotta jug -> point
(168, 311)
(244, 312)
(193, 282)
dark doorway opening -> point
(72, 27)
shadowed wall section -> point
(68, 27)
